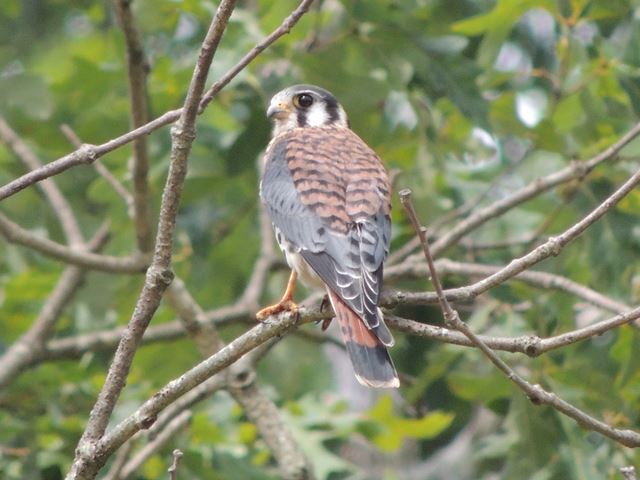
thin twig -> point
(138, 68)
(103, 171)
(171, 429)
(405, 199)
(173, 469)
(120, 460)
(531, 345)
(203, 391)
(56, 200)
(629, 473)
(107, 340)
(14, 233)
(536, 393)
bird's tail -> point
(370, 359)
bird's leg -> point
(286, 303)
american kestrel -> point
(328, 196)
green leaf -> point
(27, 93)
(630, 203)
(394, 429)
(568, 114)
(502, 17)
(155, 467)
(473, 386)
(204, 430)
(313, 441)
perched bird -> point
(328, 196)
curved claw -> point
(282, 306)
(323, 305)
(325, 323)
(325, 302)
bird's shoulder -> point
(335, 173)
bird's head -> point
(305, 106)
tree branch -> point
(106, 340)
(89, 153)
(536, 393)
(551, 247)
(146, 414)
(14, 233)
(284, 28)
(138, 68)
(159, 275)
(577, 169)
(240, 382)
(531, 345)
(30, 346)
(628, 473)
(539, 279)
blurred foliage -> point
(468, 99)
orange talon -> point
(286, 303)
(277, 308)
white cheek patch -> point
(317, 115)
(281, 126)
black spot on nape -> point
(302, 118)
(332, 108)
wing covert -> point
(278, 193)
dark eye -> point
(304, 100)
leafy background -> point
(463, 99)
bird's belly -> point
(305, 273)
(297, 263)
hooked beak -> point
(278, 110)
